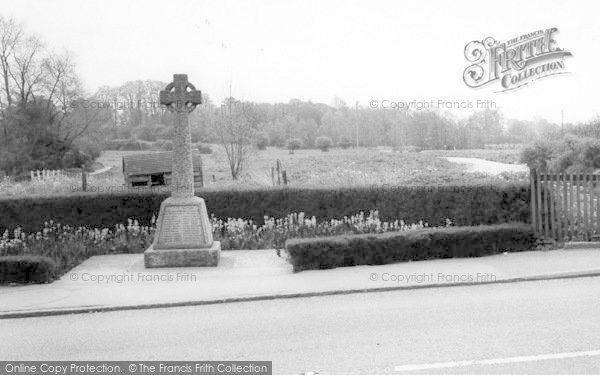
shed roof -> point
(153, 163)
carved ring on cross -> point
(176, 104)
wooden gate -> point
(565, 207)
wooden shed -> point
(154, 169)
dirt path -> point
(486, 166)
(101, 170)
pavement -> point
(120, 282)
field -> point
(337, 167)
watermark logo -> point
(514, 63)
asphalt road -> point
(544, 327)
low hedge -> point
(25, 269)
(435, 243)
(464, 205)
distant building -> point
(154, 169)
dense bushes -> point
(323, 143)
(127, 145)
(142, 145)
(570, 154)
(203, 149)
(35, 138)
(345, 142)
(465, 205)
(294, 144)
(437, 243)
(23, 269)
(163, 144)
(261, 140)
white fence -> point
(45, 174)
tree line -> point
(304, 120)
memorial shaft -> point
(183, 169)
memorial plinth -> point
(183, 235)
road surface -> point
(542, 327)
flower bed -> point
(69, 246)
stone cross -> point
(181, 98)
(183, 236)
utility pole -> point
(116, 118)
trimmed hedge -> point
(435, 243)
(464, 205)
(25, 269)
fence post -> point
(546, 206)
(553, 215)
(533, 207)
(593, 213)
(588, 207)
(597, 205)
(565, 207)
(574, 215)
(83, 179)
(558, 202)
(201, 173)
(538, 193)
(273, 176)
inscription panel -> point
(181, 226)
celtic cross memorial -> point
(183, 235)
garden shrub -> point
(146, 133)
(345, 142)
(323, 143)
(163, 145)
(127, 145)
(24, 269)
(294, 144)
(464, 204)
(113, 144)
(569, 154)
(435, 243)
(261, 140)
(203, 149)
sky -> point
(360, 51)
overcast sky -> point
(273, 51)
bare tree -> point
(37, 88)
(135, 101)
(109, 98)
(10, 35)
(63, 89)
(235, 130)
(28, 68)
